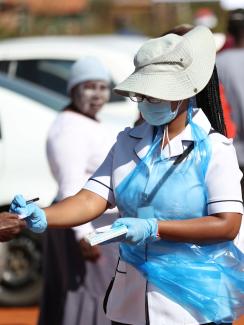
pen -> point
(32, 200)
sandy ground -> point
(19, 316)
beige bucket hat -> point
(172, 67)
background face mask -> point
(89, 97)
(158, 114)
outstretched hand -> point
(10, 226)
(34, 216)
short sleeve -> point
(223, 178)
(101, 181)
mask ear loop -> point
(166, 136)
(163, 139)
(166, 129)
(179, 105)
(168, 141)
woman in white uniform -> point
(77, 144)
(176, 182)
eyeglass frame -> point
(138, 98)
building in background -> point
(28, 17)
(76, 17)
(47, 7)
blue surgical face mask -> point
(158, 114)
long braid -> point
(209, 101)
(209, 98)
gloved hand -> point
(139, 230)
(35, 216)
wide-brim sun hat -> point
(87, 68)
(172, 67)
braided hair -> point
(209, 101)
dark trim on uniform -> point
(110, 287)
(146, 307)
(216, 324)
(105, 300)
(211, 202)
(117, 323)
(122, 272)
(95, 180)
(117, 270)
(147, 319)
(185, 153)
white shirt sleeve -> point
(223, 177)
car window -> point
(46, 97)
(4, 66)
(51, 74)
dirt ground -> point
(28, 316)
(19, 316)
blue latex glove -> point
(140, 231)
(35, 216)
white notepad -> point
(106, 235)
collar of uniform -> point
(144, 132)
(198, 118)
(179, 143)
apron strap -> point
(163, 179)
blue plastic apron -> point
(207, 279)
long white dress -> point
(76, 146)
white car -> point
(46, 61)
(25, 118)
(32, 91)
(26, 113)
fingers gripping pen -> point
(29, 202)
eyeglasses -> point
(140, 98)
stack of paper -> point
(106, 235)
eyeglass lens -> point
(139, 98)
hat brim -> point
(177, 85)
(219, 39)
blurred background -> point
(75, 17)
(39, 41)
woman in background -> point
(77, 274)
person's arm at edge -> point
(10, 226)
(80, 208)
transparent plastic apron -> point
(207, 279)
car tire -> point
(20, 273)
